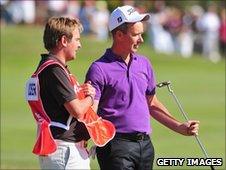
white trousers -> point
(67, 156)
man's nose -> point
(141, 39)
(79, 45)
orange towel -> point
(100, 130)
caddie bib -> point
(101, 131)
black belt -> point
(133, 136)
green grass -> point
(198, 83)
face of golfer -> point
(72, 46)
(133, 37)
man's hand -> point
(88, 89)
(189, 128)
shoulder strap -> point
(34, 76)
(46, 64)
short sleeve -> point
(55, 82)
(151, 79)
(96, 77)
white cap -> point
(125, 14)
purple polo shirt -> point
(121, 91)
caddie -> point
(52, 93)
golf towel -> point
(100, 130)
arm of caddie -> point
(88, 89)
(77, 108)
(162, 115)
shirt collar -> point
(52, 57)
(113, 57)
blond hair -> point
(56, 27)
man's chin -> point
(134, 50)
(71, 58)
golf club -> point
(168, 84)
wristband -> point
(91, 99)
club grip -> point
(162, 84)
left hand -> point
(189, 128)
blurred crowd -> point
(184, 31)
(170, 30)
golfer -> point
(57, 106)
(125, 95)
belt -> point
(133, 136)
(82, 144)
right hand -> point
(88, 89)
(189, 128)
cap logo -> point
(130, 11)
(119, 19)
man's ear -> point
(119, 34)
(64, 41)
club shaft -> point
(168, 84)
(187, 119)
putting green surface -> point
(198, 84)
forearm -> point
(162, 115)
(77, 108)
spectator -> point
(173, 25)
(56, 7)
(185, 37)
(73, 8)
(6, 18)
(159, 37)
(100, 20)
(209, 25)
(196, 13)
(222, 32)
(86, 14)
(22, 11)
